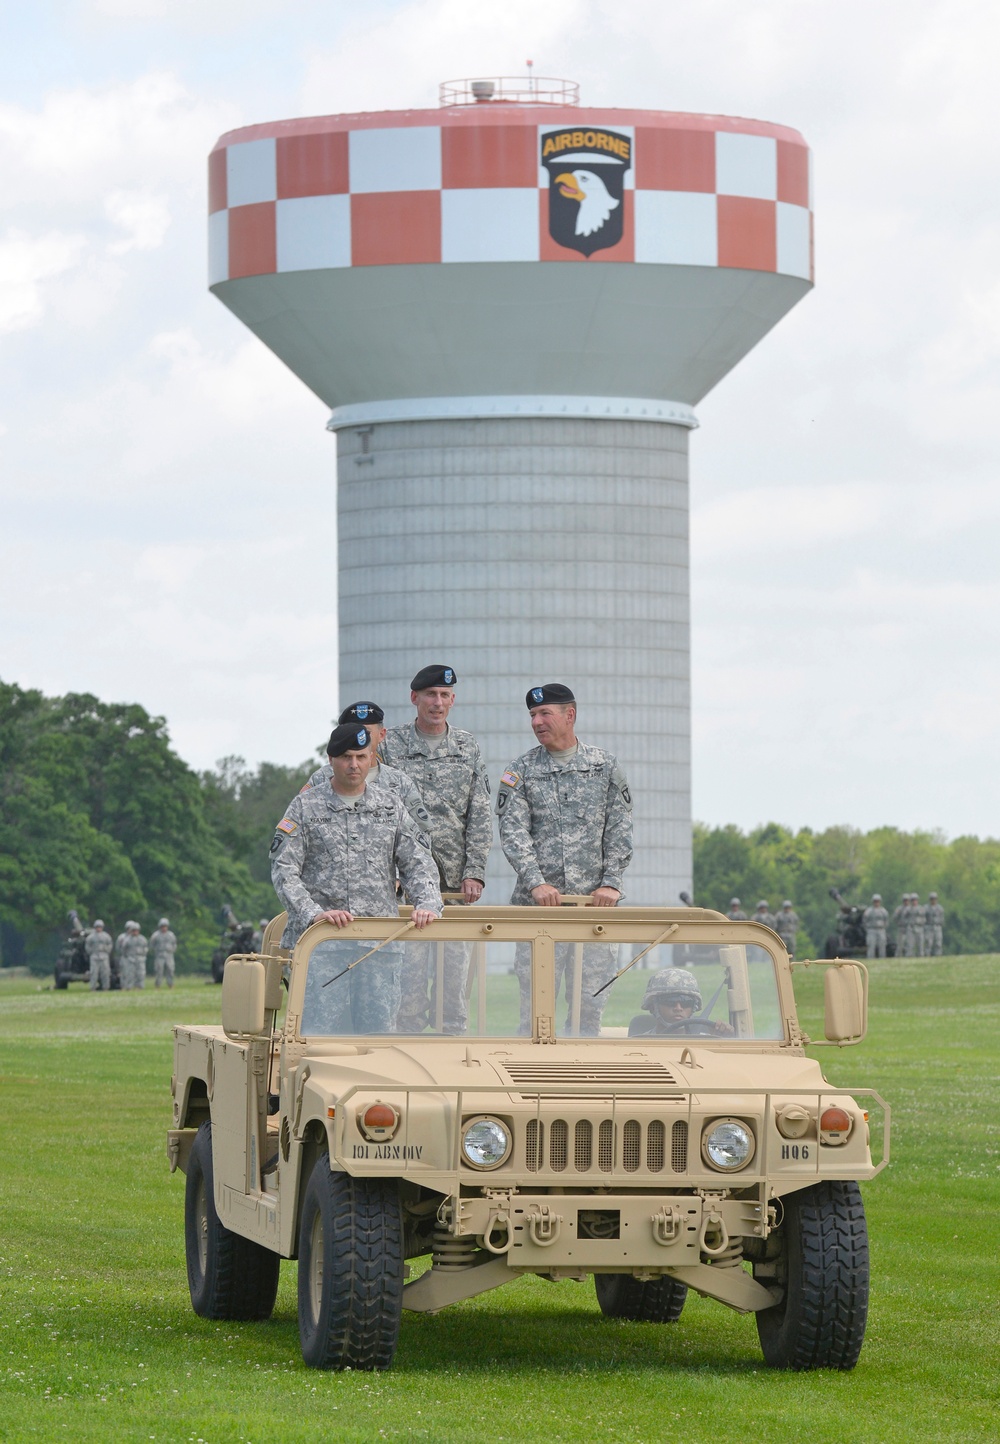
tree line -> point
(775, 863)
(98, 813)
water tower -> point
(511, 304)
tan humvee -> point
(706, 1153)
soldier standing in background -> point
(133, 958)
(334, 856)
(370, 716)
(163, 946)
(876, 920)
(764, 915)
(119, 950)
(786, 925)
(736, 913)
(98, 949)
(918, 916)
(934, 927)
(565, 814)
(448, 770)
(899, 922)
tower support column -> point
(536, 547)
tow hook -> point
(666, 1225)
(712, 1226)
(544, 1227)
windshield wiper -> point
(390, 939)
(648, 949)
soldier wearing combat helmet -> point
(565, 815)
(98, 949)
(876, 920)
(736, 913)
(673, 997)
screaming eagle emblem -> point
(586, 170)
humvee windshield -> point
(482, 989)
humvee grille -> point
(642, 1146)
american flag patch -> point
(509, 779)
(287, 825)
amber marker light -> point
(835, 1126)
(378, 1121)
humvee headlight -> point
(727, 1145)
(485, 1143)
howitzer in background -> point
(849, 940)
(72, 964)
(236, 937)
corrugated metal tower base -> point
(521, 551)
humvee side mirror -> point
(845, 994)
(243, 989)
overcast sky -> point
(159, 468)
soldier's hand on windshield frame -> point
(546, 896)
(604, 897)
(420, 917)
(337, 916)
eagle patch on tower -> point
(586, 167)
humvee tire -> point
(350, 1270)
(659, 1301)
(62, 980)
(820, 1323)
(230, 1277)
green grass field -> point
(99, 1342)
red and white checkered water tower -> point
(511, 304)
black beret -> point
(362, 712)
(434, 676)
(554, 692)
(347, 738)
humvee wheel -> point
(820, 1323)
(230, 1277)
(350, 1270)
(62, 980)
(659, 1301)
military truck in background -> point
(414, 1171)
(237, 939)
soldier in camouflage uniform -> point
(899, 922)
(447, 767)
(764, 915)
(98, 949)
(565, 815)
(736, 913)
(133, 958)
(335, 854)
(163, 946)
(786, 925)
(918, 917)
(934, 927)
(370, 716)
(876, 920)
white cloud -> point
(26, 263)
(142, 216)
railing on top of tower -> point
(509, 90)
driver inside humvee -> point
(674, 1001)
